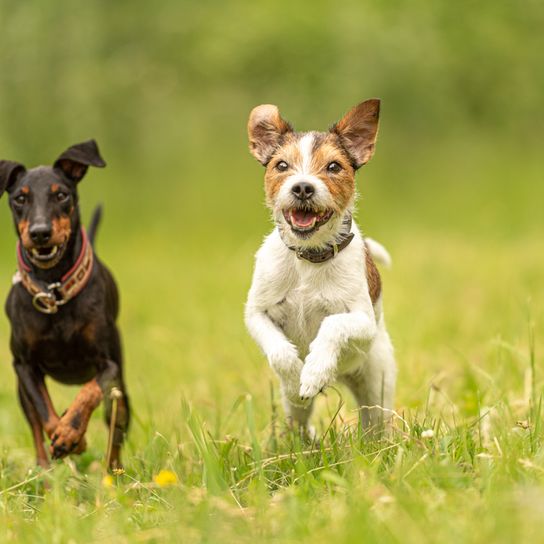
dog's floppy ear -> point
(10, 172)
(265, 129)
(76, 159)
(358, 130)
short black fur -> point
(80, 344)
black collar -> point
(330, 251)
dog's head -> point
(43, 201)
(310, 176)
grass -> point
(455, 192)
(464, 461)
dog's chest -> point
(307, 299)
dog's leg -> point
(36, 425)
(298, 414)
(282, 355)
(69, 434)
(335, 334)
(37, 396)
(53, 417)
(373, 383)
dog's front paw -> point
(317, 373)
(291, 393)
(286, 363)
(68, 437)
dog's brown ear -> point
(358, 130)
(10, 172)
(76, 159)
(265, 129)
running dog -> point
(315, 303)
(63, 306)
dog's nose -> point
(303, 190)
(40, 233)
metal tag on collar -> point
(334, 250)
(47, 303)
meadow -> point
(454, 192)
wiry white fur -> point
(378, 252)
(305, 145)
(316, 323)
(321, 199)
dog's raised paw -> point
(66, 439)
(311, 386)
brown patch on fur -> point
(326, 149)
(358, 130)
(25, 190)
(62, 228)
(341, 184)
(55, 187)
(89, 332)
(372, 277)
(274, 179)
(23, 227)
(265, 129)
(68, 438)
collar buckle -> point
(47, 302)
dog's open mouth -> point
(304, 221)
(46, 256)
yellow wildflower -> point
(165, 478)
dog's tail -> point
(378, 252)
(95, 222)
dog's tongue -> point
(302, 218)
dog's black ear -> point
(76, 159)
(265, 129)
(10, 172)
(358, 130)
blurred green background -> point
(454, 191)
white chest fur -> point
(316, 323)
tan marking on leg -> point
(69, 434)
(37, 429)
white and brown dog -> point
(315, 305)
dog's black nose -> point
(303, 190)
(40, 233)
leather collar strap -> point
(317, 256)
(70, 285)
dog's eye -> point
(282, 166)
(334, 167)
(20, 200)
(61, 197)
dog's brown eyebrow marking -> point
(55, 187)
(25, 189)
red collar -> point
(70, 285)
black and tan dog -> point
(62, 306)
